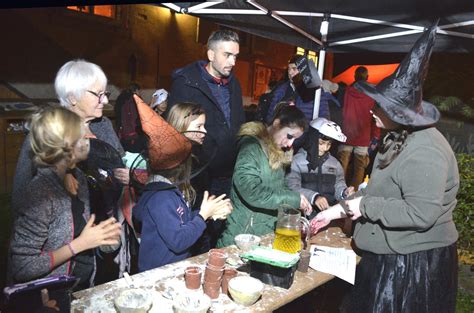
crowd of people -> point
(210, 176)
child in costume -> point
(168, 226)
(314, 171)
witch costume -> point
(406, 234)
(169, 228)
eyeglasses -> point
(100, 95)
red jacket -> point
(357, 122)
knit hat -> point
(400, 94)
(167, 148)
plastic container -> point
(273, 267)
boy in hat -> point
(314, 171)
(404, 225)
(169, 227)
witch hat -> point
(400, 94)
(167, 148)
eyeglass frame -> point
(100, 95)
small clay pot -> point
(217, 258)
(213, 274)
(229, 273)
(212, 289)
(192, 277)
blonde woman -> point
(54, 232)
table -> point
(100, 298)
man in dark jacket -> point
(212, 85)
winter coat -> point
(189, 86)
(44, 225)
(258, 185)
(168, 226)
(326, 180)
(357, 122)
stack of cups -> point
(214, 272)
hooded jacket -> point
(188, 85)
(168, 227)
(357, 122)
(258, 185)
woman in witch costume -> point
(168, 226)
(405, 229)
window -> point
(101, 10)
(311, 54)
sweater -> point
(25, 168)
(43, 225)
(168, 226)
(408, 206)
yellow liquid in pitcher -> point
(287, 240)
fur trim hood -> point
(277, 158)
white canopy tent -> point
(344, 25)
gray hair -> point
(74, 78)
(221, 35)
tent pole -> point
(321, 60)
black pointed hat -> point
(400, 94)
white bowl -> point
(246, 242)
(133, 301)
(191, 302)
(245, 290)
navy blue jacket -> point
(169, 228)
(189, 86)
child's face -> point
(324, 146)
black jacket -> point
(189, 86)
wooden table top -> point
(100, 298)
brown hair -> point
(182, 114)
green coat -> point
(257, 189)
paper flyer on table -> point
(335, 261)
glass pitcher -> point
(288, 230)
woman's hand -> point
(92, 236)
(122, 175)
(319, 221)
(354, 207)
(321, 202)
(305, 206)
(214, 206)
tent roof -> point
(362, 25)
